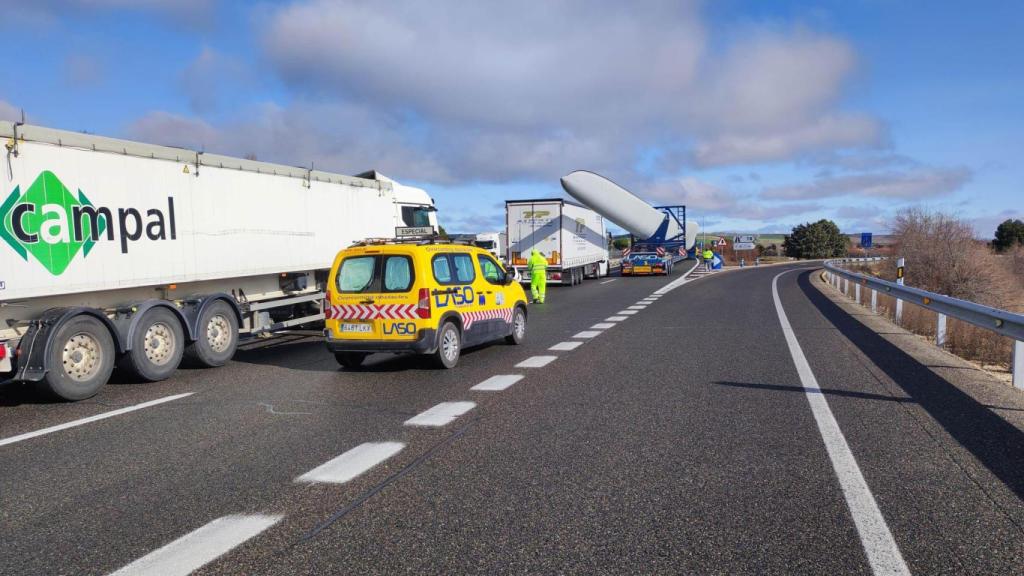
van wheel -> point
(350, 360)
(81, 359)
(518, 327)
(216, 336)
(157, 346)
(449, 346)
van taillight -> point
(423, 307)
(327, 304)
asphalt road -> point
(677, 439)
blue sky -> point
(757, 115)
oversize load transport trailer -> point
(116, 253)
(572, 238)
(658, 235)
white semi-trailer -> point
(572, 237)
(116, 253)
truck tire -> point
(350, 360)
(156, 348)
(81, 359)
(518, 327)
(216, 336)
(449, 346)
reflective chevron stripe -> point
(469, 318)
(372, 311)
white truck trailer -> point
(572, 237)
(116, 253)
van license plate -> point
(356, 328)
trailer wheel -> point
(157, 346)
(449, 346)
(518, 327)
(216, 336)
(350, 360)
(81, 359)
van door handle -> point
(367, 301)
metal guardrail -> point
(1000, 321)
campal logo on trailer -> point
(53, 225)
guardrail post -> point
(874, 301)
(1018, 364)
(940, 331)
(846, 287)
(856, 290)
(899, 280)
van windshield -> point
(356, 274)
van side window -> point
(490, 269)
(442, 269)
(464, 273)
(397, 274)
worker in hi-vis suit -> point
(538, 267)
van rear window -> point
(397, 274)
(356, 274)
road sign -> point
(403, 231)
(865, 240)
(744, 246)
(748, 239)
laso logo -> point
(52, 225)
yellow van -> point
(425, 297)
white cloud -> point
(823, 133)
(705, 198)
(497, 91)
(907, 185)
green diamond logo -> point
(46, 227)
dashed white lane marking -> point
(883, 553)
(587, 334)
(627, 312)
(615, 318)
(200, 547)
(536, 362)
(607, 281)
(637, 307)
(497, 383)
(602, 326)
(441, 415)
(103, 416)
(675, 283)
(566, 346)
(343, 468)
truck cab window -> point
(415, 216)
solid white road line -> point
(497, 383)
(882, 551)
(637, 307)
(352, 463)
(536, 362)
(441, 415)
(607, 281)
(95, 418)
(566, 346)
(587, 334)
(602, 326)
(627, 312)
(615, 318)
(198, 548)
(675, 283)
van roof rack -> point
(418, 240)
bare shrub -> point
(943, 256)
